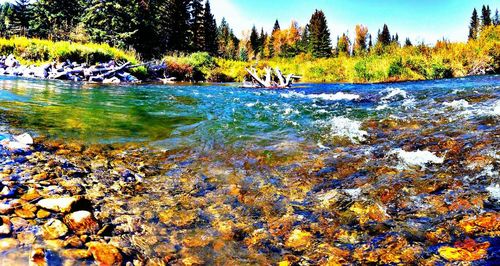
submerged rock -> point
(62, 204)
(54, 229)
(82, 222)
(105, 254)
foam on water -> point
(494, 190)
(459, 104)
(344, 127)
(339, 96)
(417, 158)
(392, 93)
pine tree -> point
(210, 26)
(370, 43)
(178, 25)
(408, 42)
(54, 19)
(197, 26)
(319, 35)
(117, 30)
(227, 42)
(254, 40)
(485, 16)
(496, 19)
(303, 45)
(20, 18)
(474, 26)
(276, 26)
(5, 13)
(384, 38)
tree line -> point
(486, 19)
(157, 27)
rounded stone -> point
(82, 222)
(54, 229)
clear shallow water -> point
(388, 173)
(173, 116)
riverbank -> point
(394, 63)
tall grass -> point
(37, 51)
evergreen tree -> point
(276, 26)
(319, 35)
(474, 25)
(303, 45)
(117, 30)
(262, 40)
(254, 40)
(227, 42)
(54, 19)
(485, 16)
(210, 26)
(496, 19)
(20, 17)
(5, 13)
(178, 25)
(197, 26)
(150, 40)
(384, 38)
(370, 43)
(408, 42)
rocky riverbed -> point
(419, 185)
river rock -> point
(5, 227)
(82, 222)
(19, 223)
(62, 204)
(8, 244)
(54, 229)
(75, 254)
(37, 257)
(105, 254)
(42, 214)
(26, 238)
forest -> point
(186, 35)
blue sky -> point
(422, 20)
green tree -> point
(303, 45)
(210, 26)
(5, 14)
(343, 45)
(485, 16)
(227, 41)
(118, 29)
(197, 26)
(408, 42)
(474, 25)
(319, 35)
(54, 19)
(496, 19)
(20, 17)
(384, 38)
(254, 40)
(178, 25)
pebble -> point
(54, 229)
(8, 244)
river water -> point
(321, 173)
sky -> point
(420, 20)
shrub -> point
(396, 68)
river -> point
(215, 174)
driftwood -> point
(268, 82)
